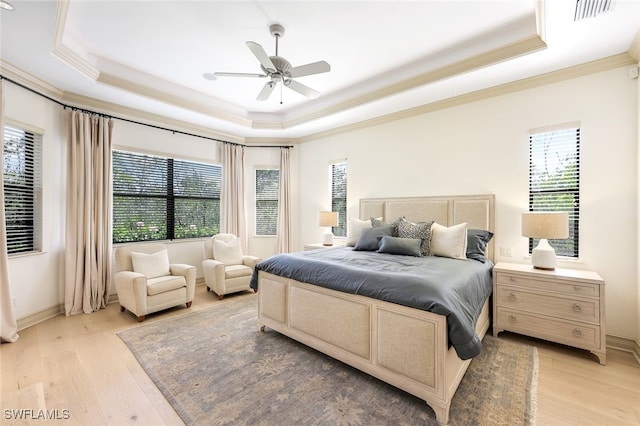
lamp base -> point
(543, 256)
(327, 239)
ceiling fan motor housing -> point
(283, 67)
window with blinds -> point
(159, 198)
(267, 181)
(554, 182)
(339, 197)
(22, 176)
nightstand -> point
(563, 306)
(316, 246)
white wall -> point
(37, 280)
(482, 147)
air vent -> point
(590, 8)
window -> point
(21, 169)
(339, 197)
(554, 181)
(267, 181)
(158, 198)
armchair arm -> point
(213, 273)
(132, 291)
(189, 274)
(251, 261)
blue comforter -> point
(454, 288)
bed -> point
(405, 346)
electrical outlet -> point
(15, 302)
(506, 252)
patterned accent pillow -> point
(420, 230)
(377, 222)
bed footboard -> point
(402, 346)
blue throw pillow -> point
(368, 240)
(403, 246)
(477, 240)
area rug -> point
(216, 369)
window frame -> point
(339, 204)
(34, 191)
(568, 137)
(172, 199)
(277, 200)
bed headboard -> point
(477, 210)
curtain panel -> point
(9, 326)
(88, 217)
(284, 204)
(232, 206)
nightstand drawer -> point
(579, 335)
(558, 307)
(568, 287)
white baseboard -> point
(614, 342)
(624, 344)
(40, 316)
(53, 311)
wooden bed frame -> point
(405, 347)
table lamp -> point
(545, 225)
(327, 219)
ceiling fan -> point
(277, 69)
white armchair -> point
(226, 269)
(147, 283)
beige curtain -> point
(88, 221)
(232, 207)
(9, 328)
(284, 204)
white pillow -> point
(228, 253)
(355, 228)
(151, 265)
(449, 241)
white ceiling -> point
(385, 56)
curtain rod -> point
(174, 131)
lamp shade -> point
(549, 225)
(328, 219)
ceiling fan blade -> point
(237, 74)
(266, 91)
(309, 69)
(301, 88)
(262, 56)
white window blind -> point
(339, 197)
(159, 198)
(554, 182)
(22, 174)
(267, 181)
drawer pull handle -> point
(512, 279)
(512, 318)
(576, 307)
(512, 296)
(577, 332)
(577, 288)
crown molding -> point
(116, 110)
(634, 50)
(180, 101)
(510, 51)
(612, 62)
(65, 53)
(16, 74)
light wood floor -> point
(78, 364)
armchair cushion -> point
(235, 271)
(166, 283)
(228, 253)
(151, 265)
